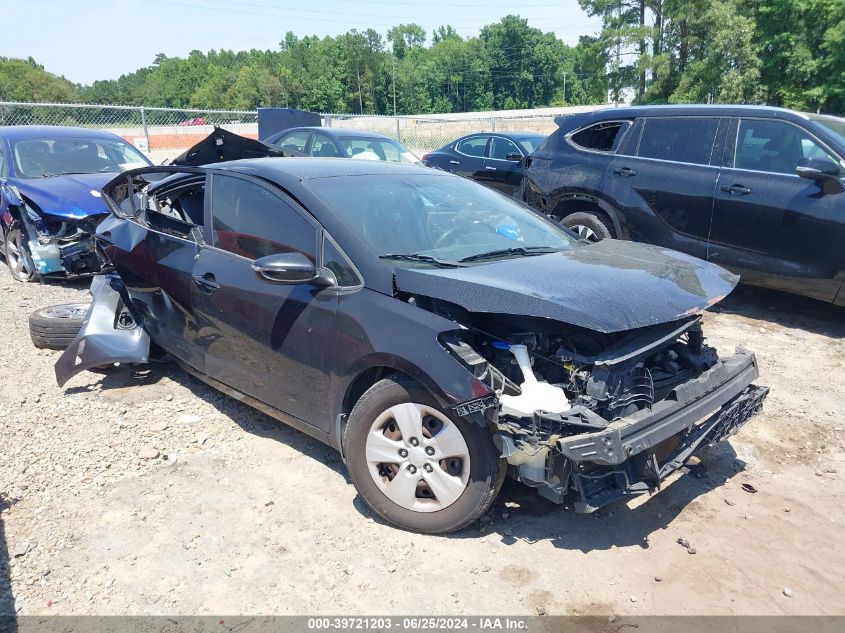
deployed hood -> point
(221, 145)
(609, 286)
(71, 196)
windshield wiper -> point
(50, 174)
(417, 257)
(516, 250)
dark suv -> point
(756, 189)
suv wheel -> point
(589, 226)
(18, 259)
(417, 466)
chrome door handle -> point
(736, 190)
(490, 168)
(625, 171)
(454, 162)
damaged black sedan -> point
(438, 334)
(50, 204)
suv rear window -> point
(601, 137)
(679, 139)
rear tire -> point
(54, 327)
(589, 226)
(455, 456)
(18, 258)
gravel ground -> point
(142, 491)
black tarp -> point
(222, 145)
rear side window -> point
(3, 172)
(601, 137)
(679, 139)
(253, 222)
(472, 146)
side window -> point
(323, 146)
(679, 139)
(472, 146)
(177, 207)
(601, 137)
(501, 147)
(295, 141)
(774, 146)
(251, 221)
(390, 151)
(3, 171)
(334, 260)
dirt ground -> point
(238, 514)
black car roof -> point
(306, 168)
(337, 132)
(632, 112)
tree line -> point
(780, 52)
(789, 53)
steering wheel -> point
(449, 236)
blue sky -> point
(86, 40)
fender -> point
(616, 216)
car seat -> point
(327, 150)
(784, 154)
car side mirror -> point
(514, 156)
(291, 268)
(823, 171)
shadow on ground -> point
(137, 381)
(790, 311)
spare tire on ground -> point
(54, 327)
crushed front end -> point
(627, 408)
(59, 244)
(63, 246)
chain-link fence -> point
(165, 132)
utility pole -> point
(360, 96)
(564, 88)
(394, 85)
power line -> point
(298, 11)
(297, 15)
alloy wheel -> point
(585, 232)
(16, 256)
(418, 457)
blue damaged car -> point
(50, 204)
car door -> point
(505, 175)
(269, 340)
(663, 181)
(772, 226)
(155, 256)
(471, 154)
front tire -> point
(18, 257)
(589, 226)
(417, 466)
